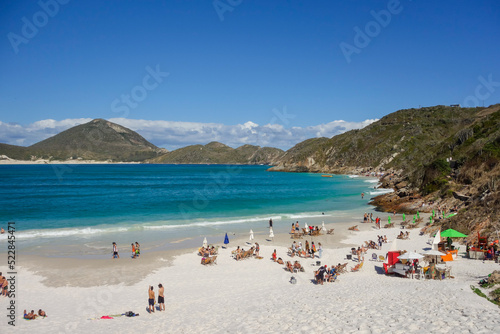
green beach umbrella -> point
(430, 219)
(452, 234)
(433, 213)
(404, 217)
(414, 218)
(418, 215)
(389, 219)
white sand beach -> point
(252, 295)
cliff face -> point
(217, 153)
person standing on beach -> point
(115, 251)
(137, 249)
(151, 300)
(161, 299)
(362, 195)
(133, 251)
(270, 223)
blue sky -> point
(230, 62)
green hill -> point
(415, 146)
(98, 140)
(217, 153)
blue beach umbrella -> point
(226, 240)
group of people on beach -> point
(32, 315)
(151, 299)
(307, 251)
(136, 251)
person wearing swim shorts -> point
(115, 251)
(161, 298)
(151, 299)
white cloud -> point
(172, 135)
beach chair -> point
(213, 260)
(353, 228)
(374, 257)
(304, 231)
(330, 231)
(342, 269)
(381, 258)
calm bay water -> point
(89, 201)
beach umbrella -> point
(435, 253)
(389, 219)
(437, 240)
(271, 234)
(452, 234)
(418, 215)
(323, 225)
(251, 235)
(433, 213)
(205, 243)
(226, 240)
(414, 218)
(307, 227)
(411, 256)
(394, 246)
(404, 217)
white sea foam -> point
(54, 233)
(353, 176)
(371, 181)
(381, 191)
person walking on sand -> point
(133, 251)
(151, 300)
(115, 251)
(161, 299)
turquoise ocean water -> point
(92, 204)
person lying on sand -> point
(29, 316)
(280, 261)
(42, 313)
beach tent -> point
(452, 234)
(392, 257)
(437, 240)
(226, 240)
(205, 243)
(251, 235)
